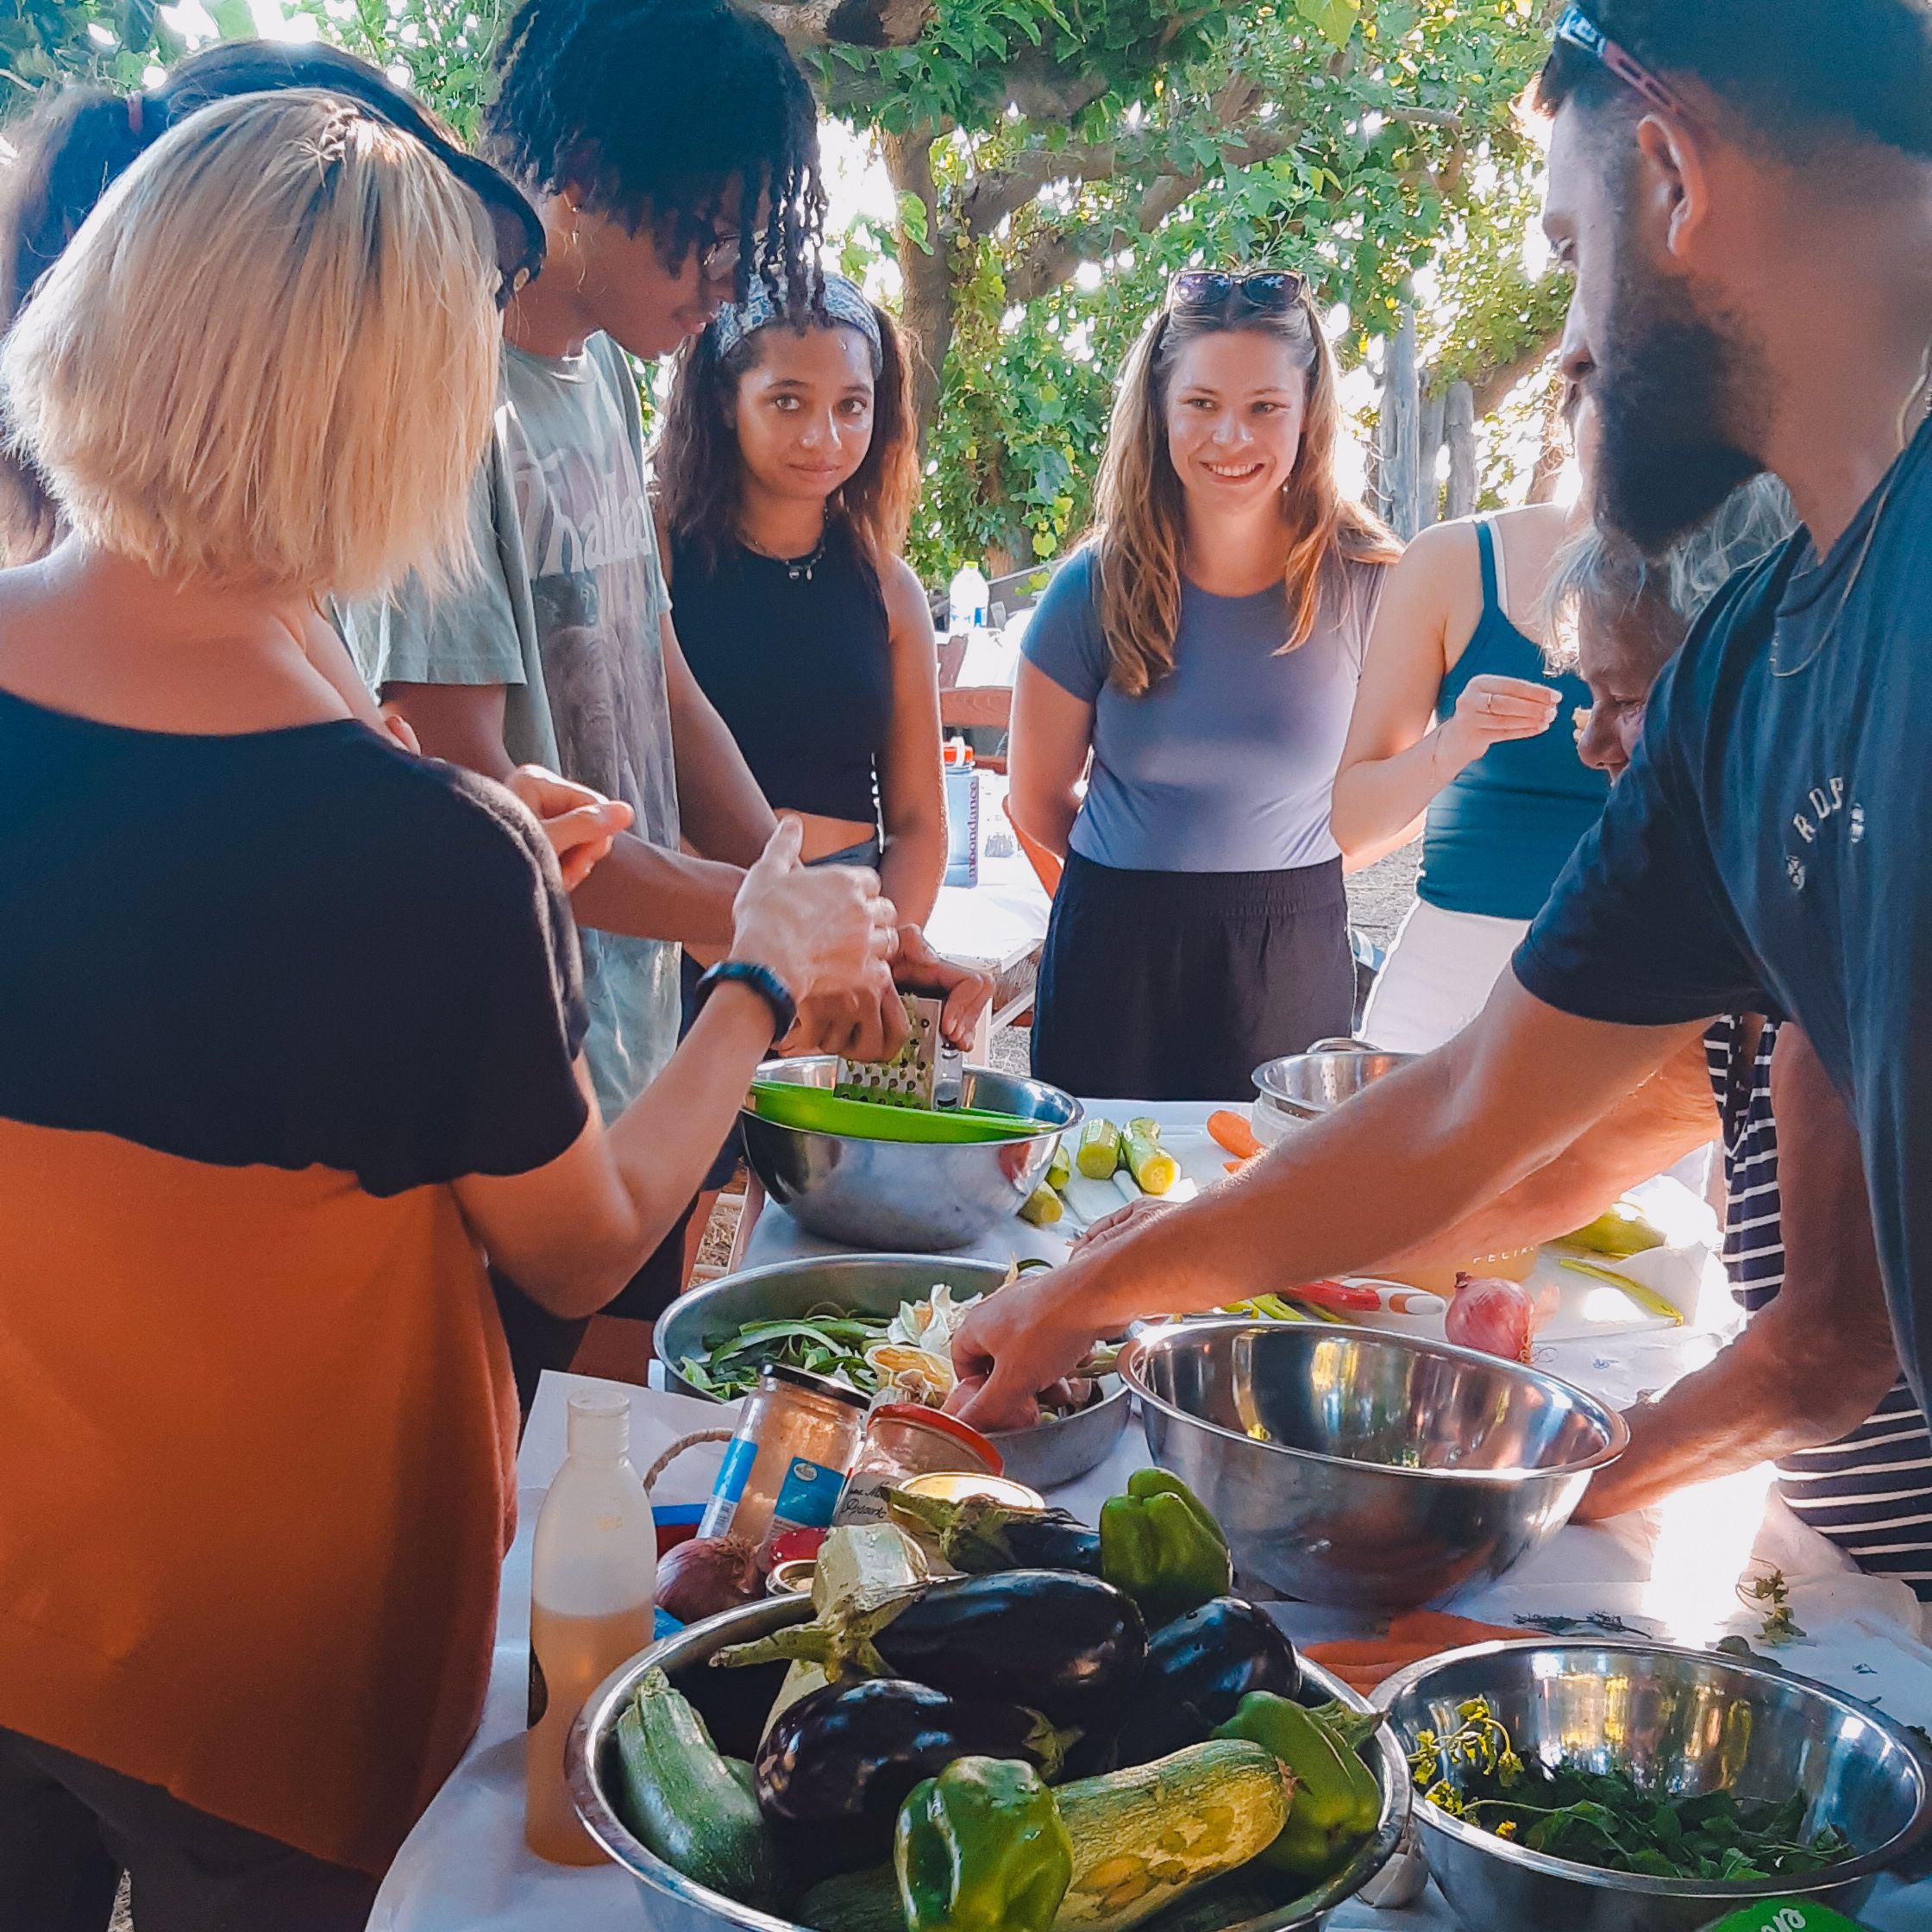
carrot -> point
(1361, 1655)
(1233, 1133)
(1444, 1631)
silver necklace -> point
(797, 569)
(1830, 632)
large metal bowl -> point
(734, 1704)
(901, 1195)
(1359, 1467)
(1685, 1722)
(1042, 1457)
(1309, 1085)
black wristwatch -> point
(761, 981)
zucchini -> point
(1155, 1171)
(1042, 1206)
(1141, 1838)
(1059, 1170)
(691, 1806)
(854, 1902)
(1099, 1152)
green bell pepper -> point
(1337, 1801)
(982, 1849)
(1160, 1545)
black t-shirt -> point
(1770, 849)
(294, 947)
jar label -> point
(807, 1497)
(864, 1500)
(733, 1474)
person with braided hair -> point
(672, 149)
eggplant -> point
(836, 1767)
(1069, 1646)
(1199, 1668)
(982, 1537)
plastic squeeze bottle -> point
(594, 1579)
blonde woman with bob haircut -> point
(289, 1032)
(1201, 652)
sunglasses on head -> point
(1270, 290)
(1578, 30)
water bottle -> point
(593, 1578)
(963, 814)
(968, 595)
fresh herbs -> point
(1601, 1621)
(1780, 1626)
(1608, 1821)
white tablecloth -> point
(1672, 1571)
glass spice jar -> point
(904, 1440)
(797, 1435)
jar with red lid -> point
(902, 1440)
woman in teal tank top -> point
(1461, 732)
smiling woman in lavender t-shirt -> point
(1204, 650)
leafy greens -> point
(1606, 1819)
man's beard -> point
(1674, 403)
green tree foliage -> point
(1055, 161)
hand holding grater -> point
(911, 1077)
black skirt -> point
(1175, 986)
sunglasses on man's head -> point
(1270, 291)
(1578, 30)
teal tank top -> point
(1498, 835)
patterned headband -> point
(841, 301)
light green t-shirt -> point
(564, 610)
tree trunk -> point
(1459, 431)
(926, 304)
(1403, 410)
(1554, 455)
(1428, 497)
(804, 23)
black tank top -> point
(800, 668)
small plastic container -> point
(903, 1441)
(798, 1437)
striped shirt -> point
(1870, 1491)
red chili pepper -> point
(1337, 1295)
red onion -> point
(698, 1578)
(1490, 1314)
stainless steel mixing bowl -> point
(1686, 1723)
(1043, 1458)
(903, 1195)
(1309, 1085)
(734, 1703)
(1373, 1470)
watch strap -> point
(759, 979)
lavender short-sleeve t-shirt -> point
(1226, 765)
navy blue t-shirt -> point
(1770, 850)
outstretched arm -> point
(1415, 1152)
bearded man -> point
(1744, 189)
